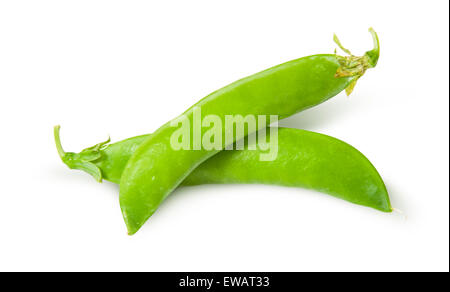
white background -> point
(126, 67)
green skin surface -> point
(305, 159)
(156, 169)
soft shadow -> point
(398, 201)
(327, 113)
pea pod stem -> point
(59, 147)
(356, 66)
(374, 54)
(83, 160)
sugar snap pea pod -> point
(305, 159)
(156, 168)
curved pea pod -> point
(305, 159)
(156, 168)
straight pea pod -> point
(305, 159)
(156, 169)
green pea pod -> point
(156, 168)
(305, 159)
